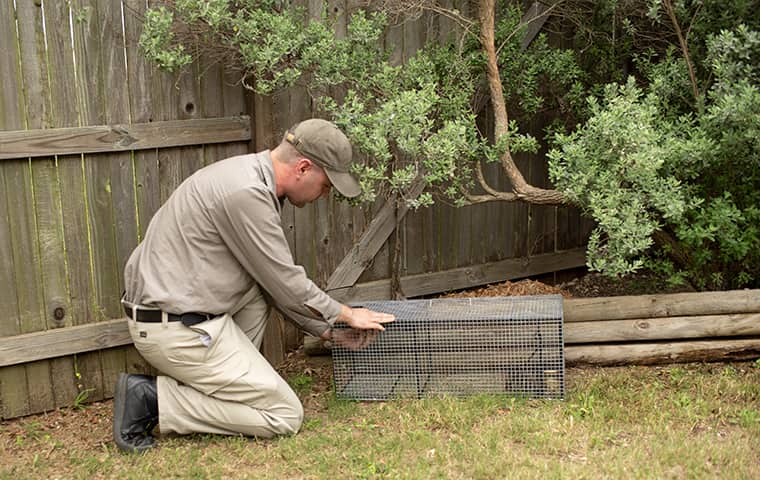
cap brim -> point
(344, 183)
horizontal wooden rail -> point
(665, 305)
(58, 342)
(122, 137)
(465, 277)
(114, 333)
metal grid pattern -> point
(459, 346)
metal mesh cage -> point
(459, 346)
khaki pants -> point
(216, 380)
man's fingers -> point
(369, 336)
(385, 317)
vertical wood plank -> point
(13, 389)
(72, 205)
(10, 119)
(211, 94)
(46, 197)
(542, 217)
(89, 40)
(142, 80)
(11, 101)
(412, 235)
(26, 253)
(125, 227)
(189, 107)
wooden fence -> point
(93, 139)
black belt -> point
(154, 316)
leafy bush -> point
(646, 166)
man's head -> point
(324, 144)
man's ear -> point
(303, 165)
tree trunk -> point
(523, 190)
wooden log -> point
(122, 137)
(663, 352)
(665, 305)
(668, 328)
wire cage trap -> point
(458, 346)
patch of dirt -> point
(597, 285)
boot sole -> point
(119, 400)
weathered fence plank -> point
(534, 18)
(64, 341)
(77, 255)
(140, 79)
(61, 80)
(88, 33)
(11, 103)
(123, 137)
(416, 33)
(20, 212)
(121, 175)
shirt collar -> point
(266, 170)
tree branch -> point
(684, 46)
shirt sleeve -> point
(308, 325)
(249, 224)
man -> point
(200, 285)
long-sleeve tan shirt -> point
(217, 234)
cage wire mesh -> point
(458, 346)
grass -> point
(687, 421)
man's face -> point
(311, 183)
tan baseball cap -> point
(323, 143)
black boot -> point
(135, 412)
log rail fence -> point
(651, 329)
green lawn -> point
(688, 421)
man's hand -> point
(353, 339)
(364, 319)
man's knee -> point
(291, 422)
(280, 421)
(290, 412)
(284, 410)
